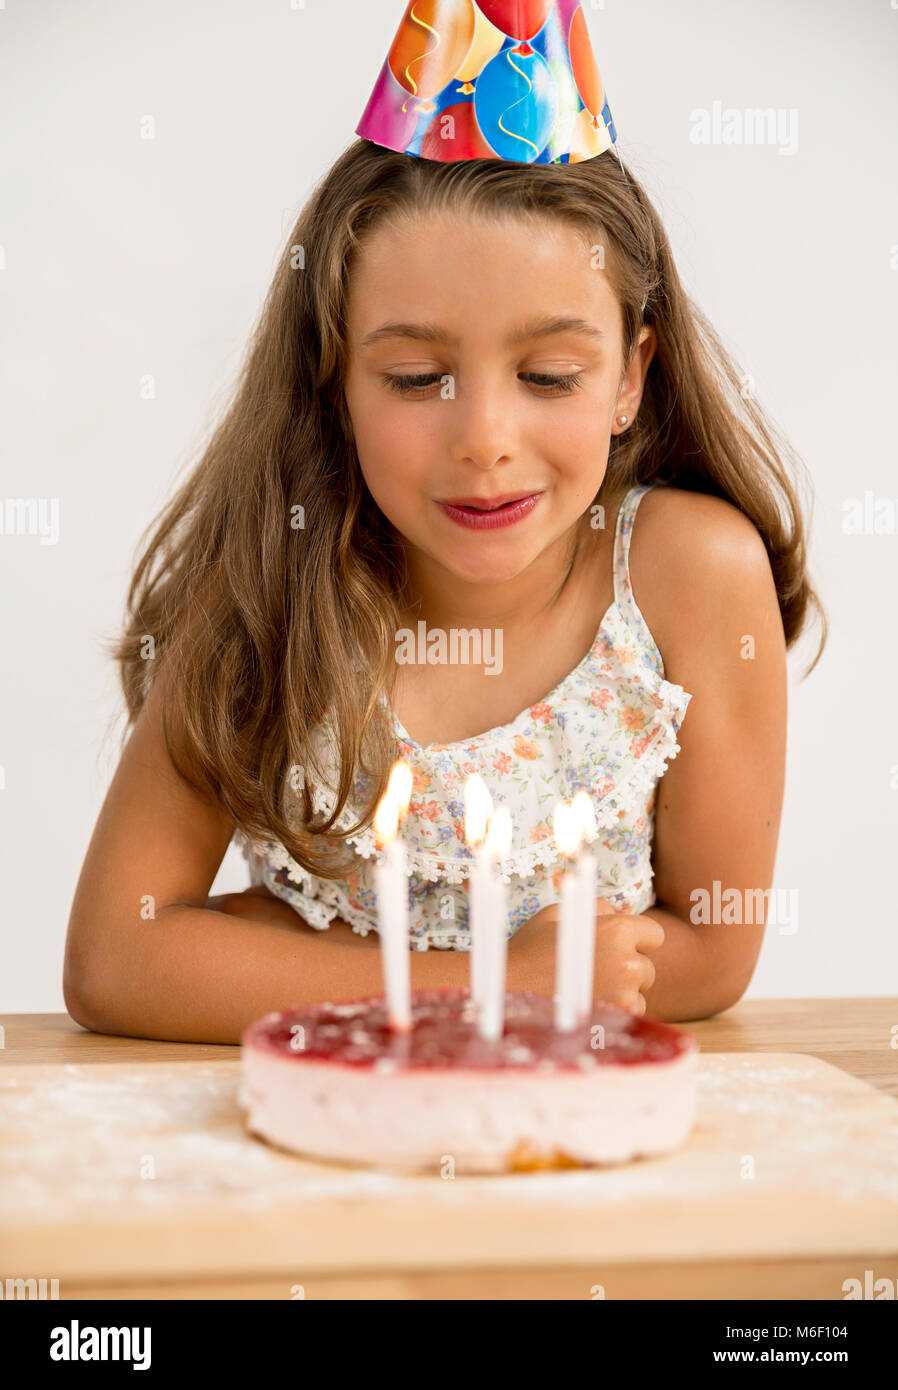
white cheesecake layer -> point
(415, 1118)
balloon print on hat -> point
(568, 107)
(516, 104)
(430, 46)
(485, 44)
(520, 19)
(454, 134)
(533, 102)
(590, 135)
(390, 119)
(584, 65)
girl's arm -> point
(705, 586)
(143, 955)
(206, 973)
(203, 974)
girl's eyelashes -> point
(404, 384)
(560, 385)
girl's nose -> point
(483, 422)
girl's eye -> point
(561, 384)
(412, 383)
(543, 380)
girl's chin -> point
(485, 571)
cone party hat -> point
(515, 80)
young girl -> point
(478, 401)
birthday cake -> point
(333, 1081)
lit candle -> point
(478, 809)
(567, 993)
(491, 1018)
(392, 898)
(586, 886)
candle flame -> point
(498, 837)
(400, 785)
(394, 803)
(386, 818)
(478, 809)
(567, 829)
(586, 816)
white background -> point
(126, 256)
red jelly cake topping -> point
(444, 1035)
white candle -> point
(586, 884)
(567, 959)
(478, 809)
(491, 1019)
(391, 881)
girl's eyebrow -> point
(432, 333)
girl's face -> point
(485, 363)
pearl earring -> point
(622, 419)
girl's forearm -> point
(196, 974)
(333, 968)
(687, 984)
(201, 975)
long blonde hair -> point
(264, 617)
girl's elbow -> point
(78, 1003)
(86, 992)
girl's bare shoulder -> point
(697, 564)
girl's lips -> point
(490, 520)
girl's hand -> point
(622, 967)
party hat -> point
(497, 79)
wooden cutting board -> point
(130, 1172)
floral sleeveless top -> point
(609, 727)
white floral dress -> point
(610, 726)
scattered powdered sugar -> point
(160, 1135)
(102, 1135)
(798, 1130)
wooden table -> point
(855, 1035)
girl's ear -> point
(632, 384)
